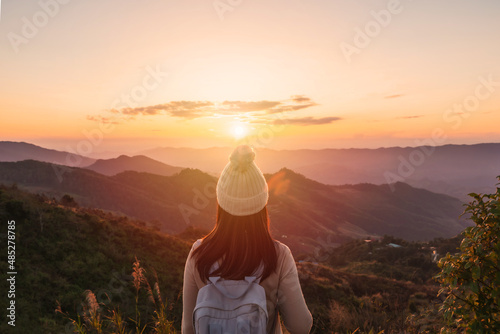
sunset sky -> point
(133, 75)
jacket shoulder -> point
(281, 248)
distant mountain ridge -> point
(331, 214)
(138, 163)
(304, 212)
(18, 151)
(455, 170)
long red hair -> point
(241, 243)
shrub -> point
(470, 279)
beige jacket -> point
(283, 292)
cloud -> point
(103, 120)
(410, 117)
(393, 96)
(186, 109)
(242, 106)
(304, 121)
(300, 98)
(291, 107)
(200, 109)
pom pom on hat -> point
(242, 157)
(242, 189)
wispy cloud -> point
(186, 109)
(410, 117)
(301, 98)
(202, 109)
(242, 106)
(103, 120)
(393, 96)
(304, 121)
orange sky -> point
(284, 74)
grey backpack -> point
(229, 306)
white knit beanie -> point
(242, 189)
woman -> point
(241, 245)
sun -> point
(239, 130)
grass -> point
(106, 318)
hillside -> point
(138, 163)
(304, 212)
(63, 251)
(18, 151)
(210, 160)
(148, 197)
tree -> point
(470, 279)
(68, 201)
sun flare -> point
(239, 130)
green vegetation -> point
(471, 278)
(61, 252)
(368, 286)
(413, 261)
(66, 254)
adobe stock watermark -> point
(201, 199)
(32, 25)
(363, 36)
(94, 137)
(454, 116)
(223, 6)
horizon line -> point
(141, 151)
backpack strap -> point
(216, 282)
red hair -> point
(241, 243)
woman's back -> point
(283, 294)
(240, 245)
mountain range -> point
(304, 212)
(138, 163)
(455, 170)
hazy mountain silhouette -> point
(211, 160)
(455, 170)
(138, 163)
(18, 151)
(303, 211)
